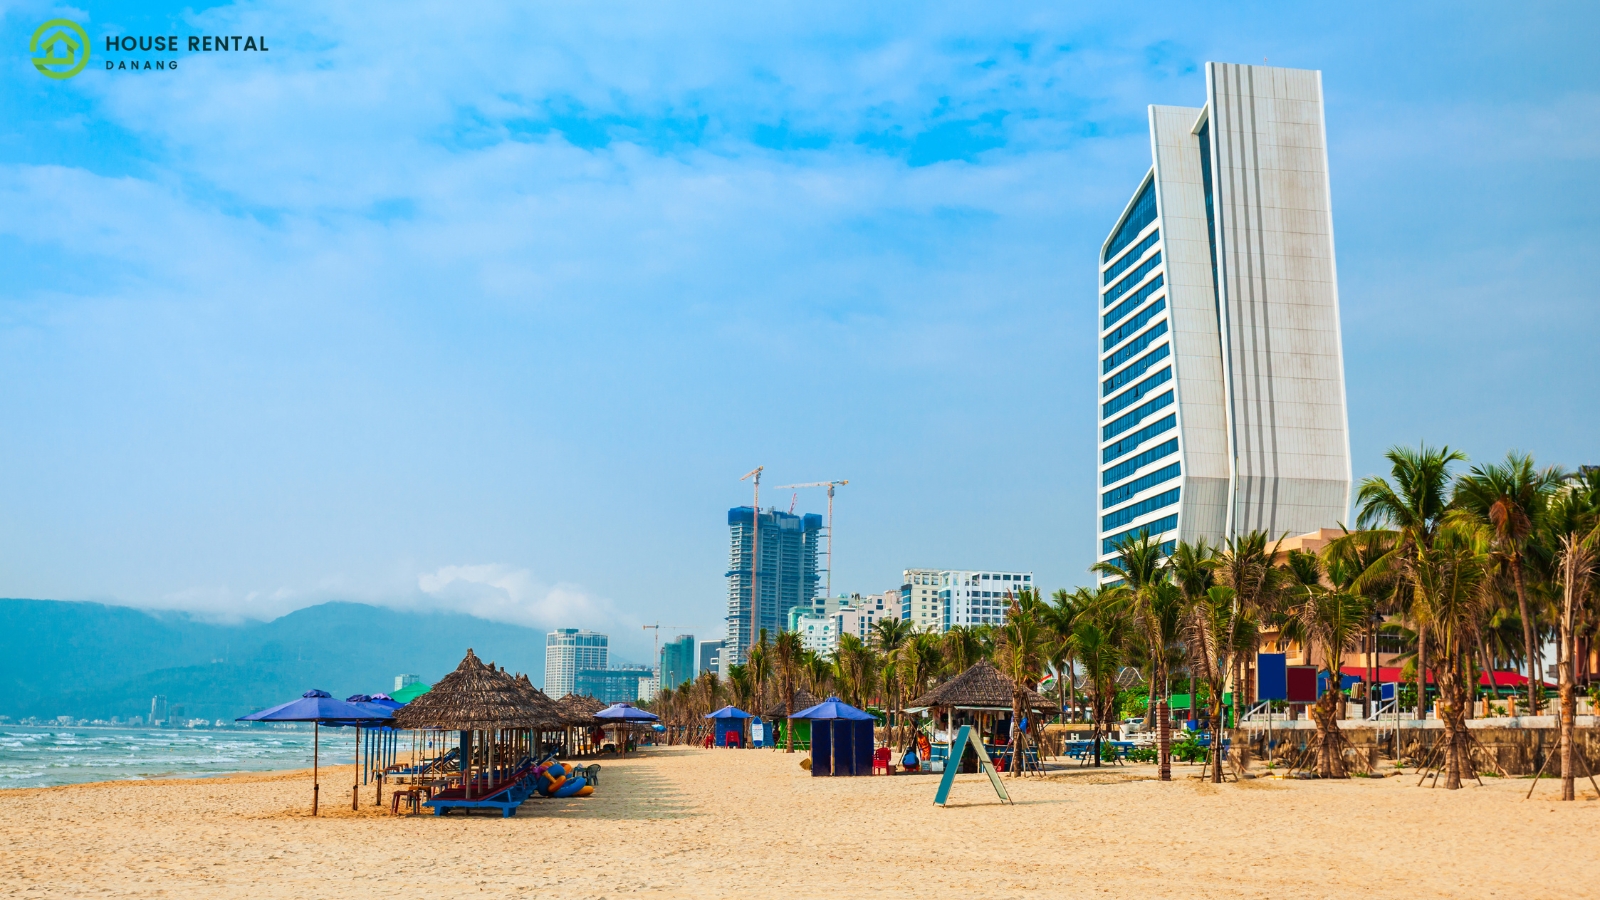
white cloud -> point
(504, 593)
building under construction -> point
(786, 578)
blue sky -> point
(490, 311)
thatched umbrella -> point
(474, 697)
(577, 710)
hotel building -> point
(1222, 402)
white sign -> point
(758, 732)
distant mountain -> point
(89, 660)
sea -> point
(42, 756)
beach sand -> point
(725, 823)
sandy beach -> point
(695, 823)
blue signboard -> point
(1272, 676)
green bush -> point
(1188, 750)
(1142, 754)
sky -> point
(489, 311)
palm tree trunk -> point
(1422, 671)
(1564, 668)
(1164, 738)
(1534, 682)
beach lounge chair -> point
(880, 760)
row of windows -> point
(1123, 469)
(1133, 324)
(1131, 256)
(1136, 393)
(1133, 349)
(1116, 381)
(1132, 303)
(1142, 214)
(1128, 513)
(1134, 277)
(1109, 545)
(1133, 418)
(1117, 495)
(1132, 441)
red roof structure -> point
(1391, 674)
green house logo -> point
(60, 48)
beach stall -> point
(582, 730)
(728, 726)
(778, 715)
(980, 697)
(319, 708)
(841, 738)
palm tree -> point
(888, 636)
(1020, 657)
(1141, 565)
(1333, 622)
(963, 646)
(1573, 529)
(1509, 499)
(1246, 563)
(1100, 640)
(758, 665)
(1351, 564)
(740, 685)
(1410, 509)
(857, 668)
(1220, 628)
(1061, 617)
(786, 652)
(1448, 575)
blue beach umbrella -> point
(729, 712)
(625, 714)
(317, 707)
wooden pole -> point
(316, 734)
(355, 787)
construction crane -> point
(830, 485)
(755, 553)
(657, 628)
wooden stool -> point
(413, 799)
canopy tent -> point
(623, 716)
(841, 738)
(728, 723)
(1391, 675)
(318, 707)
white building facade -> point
(919, 600)
(816, 630)
(1222, 403)
(978, 598)
(566, 651)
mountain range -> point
(90, 660)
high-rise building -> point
(677, 661)
(567, 651)
(1222, 405)
(860, 613)
(979, 598)
(710, 656)
(401, 682)
(786, 577)
(919, 600)
(815, 629)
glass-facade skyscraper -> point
(677, 661)
(787, 577)
(1222, 402)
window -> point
(1128, 513)
(1123, 469)
(1131, 257)
(1117, 495)
(1132, 441)
(1142, 213)
(1137, 415)
(1115, 382)
(1134, 277)
(1132, 303)
(1134, 348)
(1136, 393)
(1166, 523)
(1134, 324)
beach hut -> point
(318, 708)
(577, 711)
(980, 696)
(841, 738)
(728, 726)
(778, 714)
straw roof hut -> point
(980, 687)
(579, 709)
(473, 697)
(803, 699)
(549, 713)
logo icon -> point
(60, 48)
